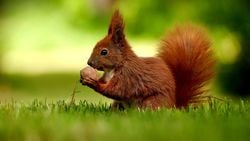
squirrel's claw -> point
(92, 83)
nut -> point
(89, 72)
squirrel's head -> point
(109, 52)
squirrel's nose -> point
(90, 63)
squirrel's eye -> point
(104, 52)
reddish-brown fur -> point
(187, 52)
(172, 79)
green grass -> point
(41, 120)
(51, 117)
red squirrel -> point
(174, 78)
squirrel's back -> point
(186, 50)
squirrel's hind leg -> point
(155, 102)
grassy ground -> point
(59, 120)
(53, 118)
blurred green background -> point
(44, 43)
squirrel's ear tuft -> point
(116, 28)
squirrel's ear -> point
(116, 28)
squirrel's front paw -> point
(92, 83)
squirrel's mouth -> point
(103, 68)
(99, 68)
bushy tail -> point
(186, 50)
